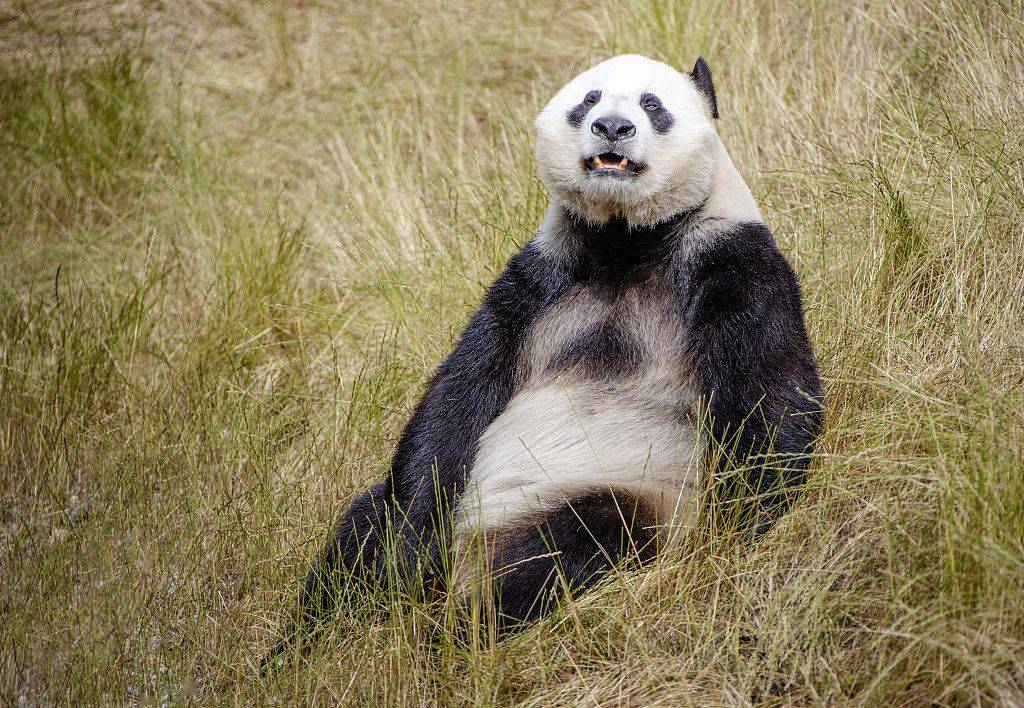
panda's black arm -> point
(413, 503)
(467, 392)
(753, 366)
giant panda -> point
(649, 339)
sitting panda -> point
(650, 331)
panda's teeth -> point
(597, 162)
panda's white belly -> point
(564, 438)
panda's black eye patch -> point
(661, 119)
(578, 112)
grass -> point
(236, 237)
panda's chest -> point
(604, 401)
(604, 335)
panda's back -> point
(604, 402)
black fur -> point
(740, 304)
(468, 391)
(434, 452)
(701, 75)
(756, 374)
(661, 119)
(604, 350)
(568, 551)
(614, 255)
(578, 112)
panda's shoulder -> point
(740, 263)
(744, 249)
(529, 279)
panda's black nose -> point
(613, 127)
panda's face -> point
(630, 137)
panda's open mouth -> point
(612, 163)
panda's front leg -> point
(754, 367)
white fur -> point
(560, 440)
(730, 198)
(685, 167)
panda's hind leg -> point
(566, 552)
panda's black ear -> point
(702, 77)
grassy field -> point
(236, 237)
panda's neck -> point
(729, 198)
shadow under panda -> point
(651, 319)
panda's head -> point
(630, 137)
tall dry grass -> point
(236, 237)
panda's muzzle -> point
(612, 163)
